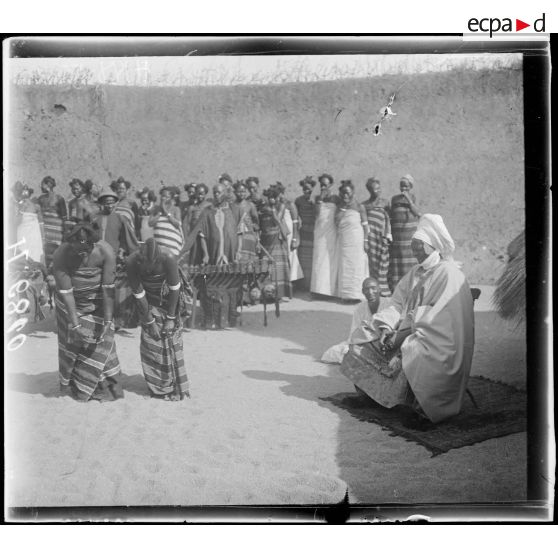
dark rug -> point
(502, 410)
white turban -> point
(431, 229)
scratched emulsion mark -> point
(386, 114)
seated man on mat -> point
(361, 327)
(423, 356)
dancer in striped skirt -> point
(84, 270)
(53, 208)
(156, 283)
(404, 216)
(379, 234)
(167, 224)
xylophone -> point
(220, 288)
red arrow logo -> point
(519, 25)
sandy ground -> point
(255, 430)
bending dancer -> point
(84, 271)
(155, 280)
(425, 338)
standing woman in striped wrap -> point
(125, 207)
(53, 208)
(246, 216)
(273, 238)
(379, 234)
(156, 283)
(84, 270)
(307, 214)
(404, 216)
(167, 224)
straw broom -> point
(509, 296)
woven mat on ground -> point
(502, 410)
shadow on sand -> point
(500, 355)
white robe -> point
(360, 332)
(324, 258)
(437, 305)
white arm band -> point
(111, 286)
(66, 291)
(139, 295)
(174, 287)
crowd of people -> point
(326, 244)
(118, 262)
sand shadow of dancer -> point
(310, 388)
(47, 384)
(314, 330)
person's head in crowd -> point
(91, 189)
(166, 193)
(346, 192)
(219, 193)
(120, 187)
(48, 184)
(281, 191)
(226, 180)
(82, 237)
(201, 192)
(240, 191)
(253, 186)
(21, 191)
(272, 195)
(77, 187)
(307, 184)
(146, 197)
(326, 182)
(373, 187)
(190, 190)
(406, 183)
(371, 292)
(107, 201)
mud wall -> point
(459, 133)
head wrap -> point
(409, 179)
(432, 231)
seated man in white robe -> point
(361, 327)
(423, 356)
